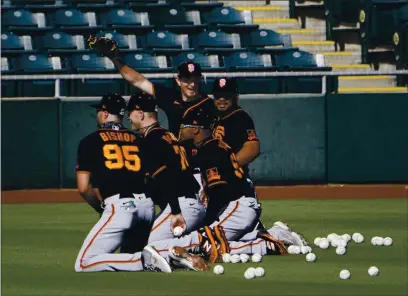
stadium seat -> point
(15, 44)
(6, 66)
(299, 60)
(126, 43)
(74, 20)
(91, 63)
(248, 61)
(23, 20)
(122, 18)
(173, 18)
(41, 5)
(39, 63)
(263, 40)
(164, 42)
(146, 62)
(216, 42)
(340, 11)
(94, 5)
(61, 43)
(228, 18)
(207, 62)
(200, 6)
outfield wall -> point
(304, 139)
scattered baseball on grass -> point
(244, 258)
(226, 258)
(379, 241)
(345, 274)
(178, 231)
(235, 258)
(332, 236)
(304, 249)
(340, 251)
(342, 243)
(373, 271)
(256, 258)
(374, 240)
(290, 249)
(296, 250)
(218, 269)
(311, 257)
(335, 242)
(324, 243)
(249, 273)
(387, 241)
(346, 237)
(259, 271)
(317, 241)
(358, 238)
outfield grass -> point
(40, 243)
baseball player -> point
(112, 158)
(170, 173)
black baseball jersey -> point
(113, 156)
(171, 102)
(219, 166)
(235, 129)
(167, 156)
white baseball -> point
(342, 243)
(346, 237)
(358, 238)
(244, 258)
(355, 235)
(387, 241)
(340, 251)
(332, 236)
(379, 241)
(373, 271)
(317, 241)
(296, 250)
(335, 242)
(218, 269)
(235, 258)
(256, 258)
(178, 231)
(290, 249)
(259, 271)
(311, 257)
(249, 273)
(374, 240)
(304, 249)
(345, 274)
(324, 243)
(226, 258)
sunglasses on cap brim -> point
(190, 126)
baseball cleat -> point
(282, 225)
(273, 245)
(153, 261)
(183, 258)
(222, 240)
(298, 240)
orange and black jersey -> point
(113, 156)
(170, 175)
(171, 102)
(235, 128)
(223, 179)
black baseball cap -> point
(189, 69)
(225, 86)
(112, 103)
(143, 102)
(197, 118)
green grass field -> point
(40, 243)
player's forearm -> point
(89, 195)
(133, 77)
(249, 152)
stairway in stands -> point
(312, 38)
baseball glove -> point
(104, 46)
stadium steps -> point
(373, 89)
(304, 34)
(366, 81)
(351, 67)
(315, 46)
(341, 57)
(277, 23)
(265, 11)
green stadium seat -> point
(127, 43)
(94, 5)
(122, 18)
(207, 62)
(264, 40)
(200, 6)
(39, 63)
(146, 62)
(15, 44)
(22, 20)
(228, 18)
(91, 62)
(299, 60)
(164, 42)
(61, 43)
(73, 20)
(216, 42)
(7, 66)
(41, 5)
(248, 61)
(8, 87)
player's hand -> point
(104, 46)
(204, 199)
(177, 220)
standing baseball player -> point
(111, 160)
(170, 175)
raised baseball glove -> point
(104, 46)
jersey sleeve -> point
(214, 168)
(164, 96)
(245, 130)
(85, 156)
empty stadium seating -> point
(38, 63)
(15, 44)
(266, 41)
(207, 62)
(91, 62)
(248, 61)
(144, 62)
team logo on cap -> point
(223, 82)
(191, 68)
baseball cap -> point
(189, 69)
(112, 103)
(143, 102)
(225, 86)
(196, 118)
